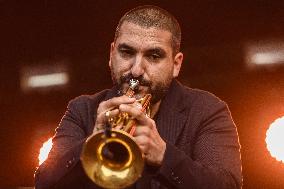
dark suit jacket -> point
(202, 148)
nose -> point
(138, 68)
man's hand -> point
(110, 105)
(146, 134)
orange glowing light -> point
(275, 139)
(44, 151)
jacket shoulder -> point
(88, 100)
(198, 96)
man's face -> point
(147, 55)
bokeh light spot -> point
(275, 139)
(44, 151)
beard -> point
(157, 90)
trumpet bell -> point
(112, 162)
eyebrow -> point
(125, 46)
(157, 50)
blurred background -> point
(52, 51)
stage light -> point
(264, 53)
(275, 139)
(44, 151)
(48, 80)
(267, 57)
(43, 76)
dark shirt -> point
(202, 147)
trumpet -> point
(111, 158)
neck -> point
(154, 108)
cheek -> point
(119, 66)
(160, 74)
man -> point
(189, 140)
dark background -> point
(215, 35)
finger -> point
(98, 127)
(110, 114)
(143, 142)
(103, 117)
(119, 126)
(144, 149)
(142, 130)
(114, 102)
(135, 112)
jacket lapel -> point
(171, 117)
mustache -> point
(142, 81)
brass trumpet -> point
(111, 158)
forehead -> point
(142, 37)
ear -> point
(177, 63)
(110, 53)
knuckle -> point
(140, 113)
(152, 123)
(122, 107)
(147, 132)
(146, 147)
(100, 107)
(115, 99)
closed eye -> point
(126, 51)
(154, 57)
(155, 54)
